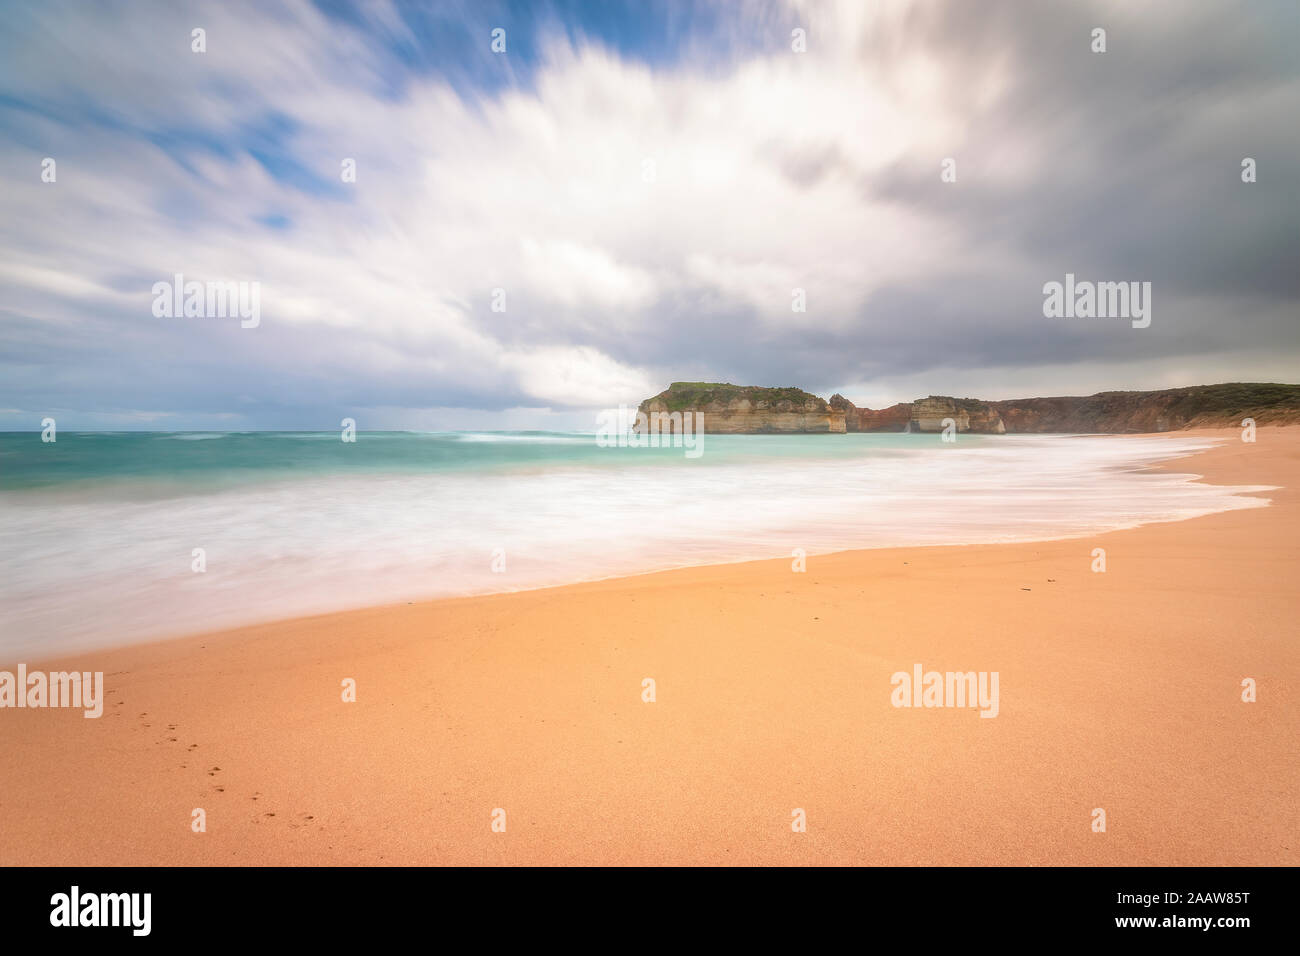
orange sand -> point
(1118, 690)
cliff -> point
(1159, 411)
(735, 409)
(922, 415)
(741, 410)
(969, 415)
(895, 418)
(1104, 413)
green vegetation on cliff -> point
(682, 396)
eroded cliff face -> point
(1104, 413)
(1159, 411)
(969, 415)
(985, 420)
(850, 411)
(928, 414)
(895, 418)
(748, 410)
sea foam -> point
(87, 567)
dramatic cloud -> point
(641, 192)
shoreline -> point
(155, 636)
(1119, 690)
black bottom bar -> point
(1160, 906)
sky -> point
(629, 195)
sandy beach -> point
(1119, 690)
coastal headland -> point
(736, 409)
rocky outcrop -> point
(850, 411)
(747, 410)
(969, 415)
(929, 414)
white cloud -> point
(578, 376)
(572, 274)
(760, 186)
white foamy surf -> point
(87, 564)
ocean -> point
(100, 533)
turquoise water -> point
(114, 537)
(206, 460)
